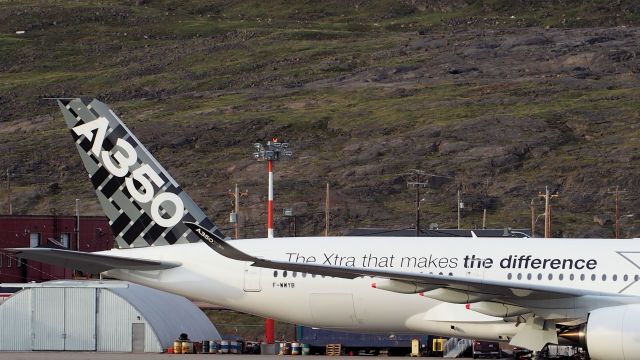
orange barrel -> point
(177, 347)
(187, 347)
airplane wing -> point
(501, 291)
(88, 262)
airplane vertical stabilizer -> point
(144, 204)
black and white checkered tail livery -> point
(144, 204)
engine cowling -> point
(611, 333)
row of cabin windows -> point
(573, 277)
(293, 274)
(304, 275)
(519, 276)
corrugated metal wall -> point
(15, 332)
(114, 320)
(169, 315)
(47, 320)
(80, 319)
(87, 318)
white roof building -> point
(109, 316)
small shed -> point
(104, 316)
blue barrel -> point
(224, 346)
(234, 347)
(213, 347)
(306, 349)
(205, 346)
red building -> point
(48, 231)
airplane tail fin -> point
(144, 204)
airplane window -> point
(582, 277)
(561, 276)
(625, 278)
(295, 274)
(323, 276)
(509, 276)
(284, 273)
(275, 273)
(304, 275)
(550, 276)
(519, 276)
(593, 277)
(604, 277)
(571, 277)
(615, 277)
(529, 276)
(450, 274)
(637, 277)
(439, 273)
(539, 276)
(313, 275)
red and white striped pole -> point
(270, 205)
(273, 151)
(270, 324)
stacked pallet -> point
(334, 350)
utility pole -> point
(290, 214)
(617, 193)
(484, 218)
(9, 192)
(78, 224)
(417, 185)
(459, 205)
(547, 211)
(235, 215)
(272, 151)
(326, 212)
(533, 219)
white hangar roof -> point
(94, 315)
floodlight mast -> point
(272, 151)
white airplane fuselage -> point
(606, 266)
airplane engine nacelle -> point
(613, 333)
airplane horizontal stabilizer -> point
(89, 262)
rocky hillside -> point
(496, 98)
